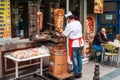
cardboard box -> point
(64, 68)
(65, 76)
(57, 69)
(58, 51)
(58, 61)
(58, 56)
(58, 46)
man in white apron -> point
(73, 31)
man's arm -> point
(60, 33)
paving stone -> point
(87, 72)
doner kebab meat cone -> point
(58, 19)
(39, 17)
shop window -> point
(108, 7)
(108, 18)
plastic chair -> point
(111, 52)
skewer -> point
(50, 24)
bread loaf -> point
(20, 54)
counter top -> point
(25, 59)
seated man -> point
(99, 39)
(117, 37)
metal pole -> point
(82, 11)
(41, 65)
(68, 56)
(85, 16)
(67, 6)
(39, 3)
(16, 70)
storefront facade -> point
(110, 19)
(21, 17)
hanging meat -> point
(39, 20)
(58, 19)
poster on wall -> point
(90, 31)
(98, 6)
(5, 19)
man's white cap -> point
(68, 14)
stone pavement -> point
(114, 75)
(88, 70)
(107, 72)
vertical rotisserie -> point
(39, 20)
(58, 19)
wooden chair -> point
(111, 51)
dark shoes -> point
(75, 76)
(78, 75)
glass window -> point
(1, 0)
(108, 18)
(108, 7)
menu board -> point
(5, 19)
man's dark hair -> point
(102, 28)
(71, 17)
(90, 18)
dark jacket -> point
(99, 38)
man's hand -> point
(105, 35)
(61, 30)
(58, 34)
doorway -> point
(110, 19)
